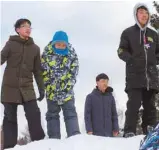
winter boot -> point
(148, 129)
(129, 134)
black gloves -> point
(42, 95)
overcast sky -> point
(94, 29)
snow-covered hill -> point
(84, 142)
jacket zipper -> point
(103, 113)
(20, 80)
(147, 78)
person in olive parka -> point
(23, 61)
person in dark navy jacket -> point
(100, 110)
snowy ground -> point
(84, 142)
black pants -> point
(10, 127)
(138, 97)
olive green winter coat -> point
(23, 61)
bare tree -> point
(139, 122)
(154, 17)
(155, 24)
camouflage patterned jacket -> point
(59, 74)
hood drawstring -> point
(140, 37)
(144, 35)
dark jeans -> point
(138, 97)
(10, 127)
(53, 121)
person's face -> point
(142, 16)
(60, 45)
(102, 84)
(24, 30)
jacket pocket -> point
(10, 77)
(139, 65)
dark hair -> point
(102, 76)
(19, 22)
(142, 7)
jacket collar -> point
(20, 40)
(97, 91)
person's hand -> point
(89, 133)
(115, 133)
(42, 94)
